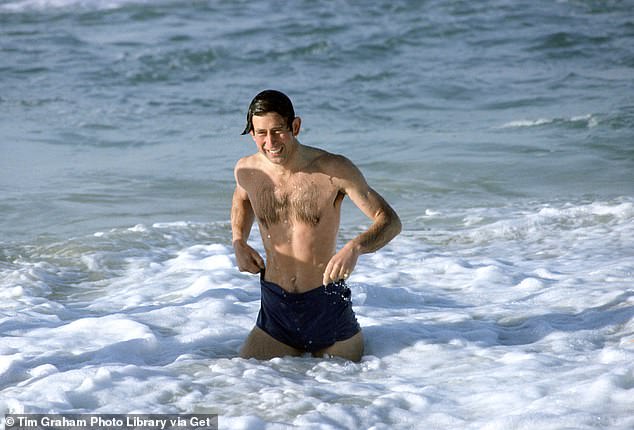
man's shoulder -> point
(339, 168)
(248, 161)
(248, 170)
(325, 160)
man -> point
(295, 191)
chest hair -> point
(300, 203)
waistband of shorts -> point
(333, 287)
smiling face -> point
(273, 138)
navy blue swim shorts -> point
(307, 321)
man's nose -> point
(270, 138)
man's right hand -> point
(247, 258)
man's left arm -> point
(385, 222)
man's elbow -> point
(392, 223)
(395, 225)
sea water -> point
(502, 132)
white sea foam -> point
(26, 5)
(588, 120)
(519, 318)
(498, 307)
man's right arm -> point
(242, 217)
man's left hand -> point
(341, 264)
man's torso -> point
(298, 215)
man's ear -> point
(297, 125)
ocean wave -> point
(588, 121)
(101, 321)
(514, 264)
(43, 5)
(551, 223)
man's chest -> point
(302, 198)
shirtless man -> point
(295, 191)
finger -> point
(337, 277)
(327, 270)
(334, 274)
(326, 279)
(259, 261)
(343, 274)
(249, 265)
(249, 268)
(329, 277)
(257, 264)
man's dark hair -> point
(270, 101)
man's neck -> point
(294, 164)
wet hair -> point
(270, 101)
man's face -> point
(273, 138)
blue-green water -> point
(501, 131)
(118, 112)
